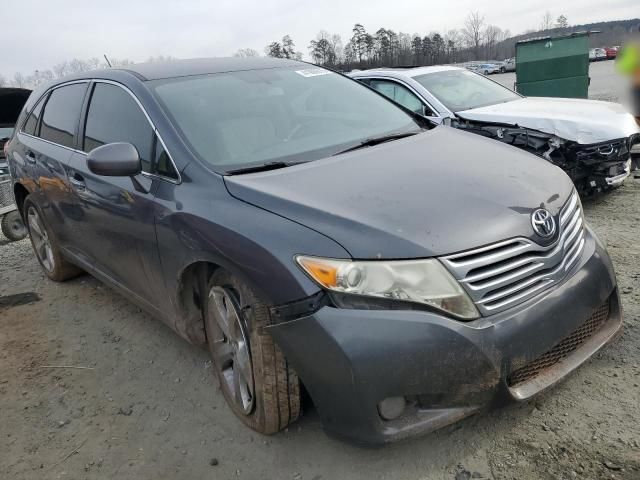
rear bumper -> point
(350, 360)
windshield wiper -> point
(265, 167)
(370, 142)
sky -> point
(39, 34)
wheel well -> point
(191, 291)
(20, 193)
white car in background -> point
(597, 54)
(588, 139)
(509, 65)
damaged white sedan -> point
(588, 139)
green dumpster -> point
(553, 66)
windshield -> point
(463, 90)
(5, 132)
(239, 119)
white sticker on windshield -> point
(313, 72)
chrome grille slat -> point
(502, 274)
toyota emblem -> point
(543, 223)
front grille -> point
(503, 274)
(6, 195)
(562, 350)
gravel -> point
(125, 416)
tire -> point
(12, 226)
(55, 266)
(274, 402)
(503, 70)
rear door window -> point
(31, 125)
(62, 113)
(114, 116)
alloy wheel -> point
(230, 345)
(40, 238)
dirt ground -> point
(146, 405)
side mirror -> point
(114, 160)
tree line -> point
(475, 41)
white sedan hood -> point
(582, 121)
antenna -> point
(108, 62)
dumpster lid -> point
(581, 33)
(11, 102)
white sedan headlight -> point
(419, 281)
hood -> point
(582, 121)
(435, 193)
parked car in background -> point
(509, 65)
(612, 53)
(593, 55)
(588, 139)
(489, 68)
(11, 102)
(601, 54)
(305, 227)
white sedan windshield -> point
(460, 90)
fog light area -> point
(392, 407)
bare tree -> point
(246, 52)
(473, 31)
(326, 49)
(160, 58)
(3, 81)
(289, 48)
(120, 62)
(547, 21)
(274, 49)
(562, 22)
(491, 35)
(19, 80)
(286, 49)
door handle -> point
(31, 157)
(78, 182)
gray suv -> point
(311, 232)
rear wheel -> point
(12, 226)
(45, 246)
(257, 382)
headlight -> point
(419, 281)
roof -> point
(406, 72)
(201, 66)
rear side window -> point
(61, 114)
(31, 125)
(114, 116)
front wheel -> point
(256, 380)
(12, 226)
(503, 70)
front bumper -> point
(350, 360)
(617, 180)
